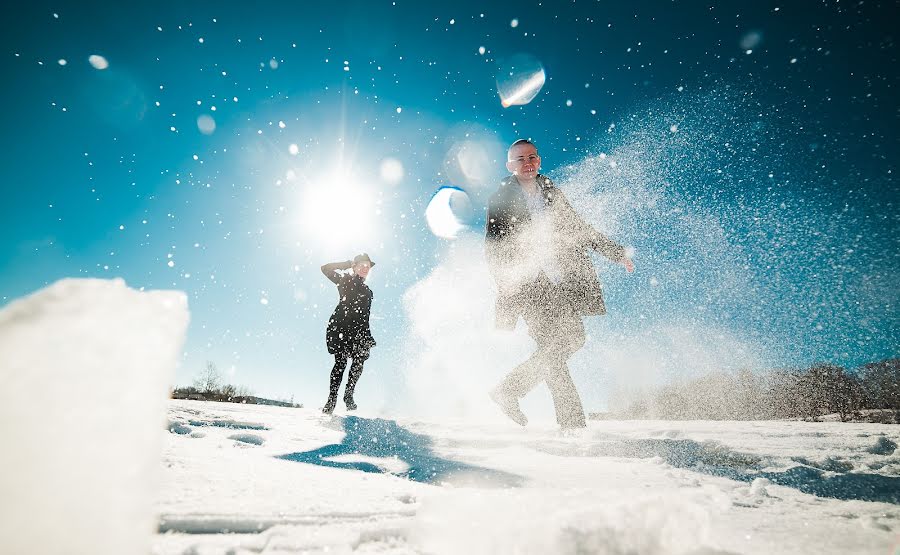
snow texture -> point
(86, 366)
(364, 483)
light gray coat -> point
(512, 237)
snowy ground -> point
(254, 479)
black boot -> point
(337, 374)
(355, 372)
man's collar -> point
(543, 181)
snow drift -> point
(86, 366)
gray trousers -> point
(559, 332)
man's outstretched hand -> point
(629, 265)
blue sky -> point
(770, 128)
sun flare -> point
(338, 211)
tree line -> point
(869, 392)
(209, 386)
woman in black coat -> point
(348, 335)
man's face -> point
(523, 161)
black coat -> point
(348, 328)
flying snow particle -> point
(99, 62)
(391, 170)
(196, 157)
(481, 50)
(121, 227)
(281, 124)
(206, 124)
(519, 80)
(514, 23)
(294, 149)
(263, 301)
(674, 128)
(171, 263)
(399, 109)
(273, 63)
(568, 103)
(62, 61)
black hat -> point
(362, 258)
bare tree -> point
(209, 380)
(229, 391)
(882, 383)
(243, 391)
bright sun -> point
(338, 211)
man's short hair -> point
(522, 142)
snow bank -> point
(86, 366)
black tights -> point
(337, 374)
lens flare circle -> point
(391, 171)
(206, 124)
(448, 211)
(520, 79)
(474, 162)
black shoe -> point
(329, 405)
(510, 406)
(350, 404)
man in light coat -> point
(536, 247)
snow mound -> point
(86, 370)
(652, 525)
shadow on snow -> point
(385, 439)
(717, 460)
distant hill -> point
(223, 398)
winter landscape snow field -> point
(259, 479)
